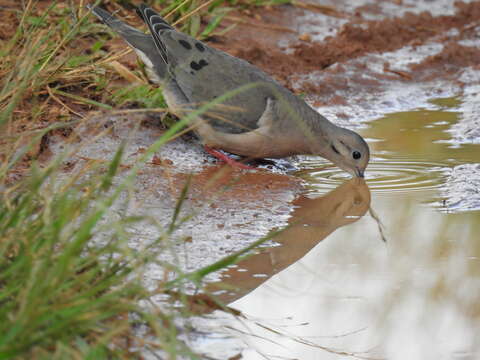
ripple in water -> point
(381, 175)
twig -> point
(186, 16)
(82, 99)
(176, 8)
(50, 92)
(324, 9)
(125, 72)
(399, 73)
(375, 217)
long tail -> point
(144, 45)
(156, 24)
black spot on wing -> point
(200, 47)
(195, 66)
(185, 44)
(198, 65)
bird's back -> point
(204, 73)
(194, 73)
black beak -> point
(359, 172)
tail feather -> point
(150, 16)
(144, 45)
(114, 23)
(156, 24)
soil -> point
(255, 42)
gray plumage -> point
(267, 120)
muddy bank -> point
(224, 209)
(354, 38)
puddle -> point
(411, 152)
(333, 289)
(327, 286)
(384, 175)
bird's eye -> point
(356, 155)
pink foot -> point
(222, 157)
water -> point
(334, 288)
(410, 152)
(330, 286)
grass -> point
(70, 286)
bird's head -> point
(348, 151)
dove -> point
(258, 117)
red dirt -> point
(452, 57)
(385, 35)
(356, 38)
(248, 186)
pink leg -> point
(222, 157)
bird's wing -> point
(202, 74)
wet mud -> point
(355, 38)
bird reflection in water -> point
(312, 221)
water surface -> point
(335, 288)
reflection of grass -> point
(69, 284)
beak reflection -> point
(313, 220)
